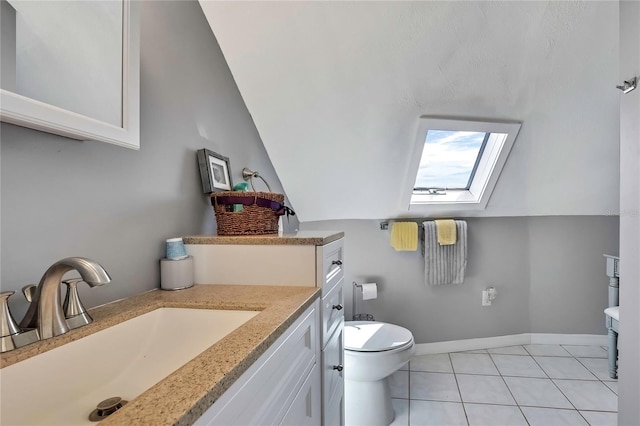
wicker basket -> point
(252, 219)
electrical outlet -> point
(486, 300)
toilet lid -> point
(372, 336)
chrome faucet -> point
(45, 311)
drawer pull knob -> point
(338, 307)
(338, 367)
(337, 262)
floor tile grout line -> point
(533, 359)
(586, 368)
(576, 356)
(546, 407)
(509, 390)
(596, 376)
(599, 411)
(576, 408)
(464, 410)
(568, 354)
(541, 368)
(409, 394)
(560, 390)
(563, 394)
(480, 374)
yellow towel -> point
(446, 232)
(404, 236)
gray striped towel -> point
(444, 264)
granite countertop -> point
(183, 396)
(313, 238)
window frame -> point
(485, 176)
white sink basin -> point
(63, 386)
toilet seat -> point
(373, 336)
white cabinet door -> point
(333, 411)
(306, 408)
(333, 379)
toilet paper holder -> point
(354, 305)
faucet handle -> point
(74, 312)
(8, 325)
(29, 292)
(12, 336)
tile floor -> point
(517, 385)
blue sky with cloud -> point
(448, 158)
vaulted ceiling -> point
(336, 90)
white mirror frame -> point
(27, 112)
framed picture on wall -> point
(215, 171)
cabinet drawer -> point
(332, 364)
(332, 262)
(305, 409)
(332, 311)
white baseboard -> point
(568, 339)
(511, 340)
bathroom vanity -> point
(282, 366)
(284, 315)
(311, 259)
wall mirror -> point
(72, 68)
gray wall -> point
(629, 344)
(568, 284)
(117, 206)
(549, 273)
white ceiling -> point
(336, 90)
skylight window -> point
(456, 163)
(449, 159)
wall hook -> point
(629, 85)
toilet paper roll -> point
(369, 291)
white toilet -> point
(372, 352)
